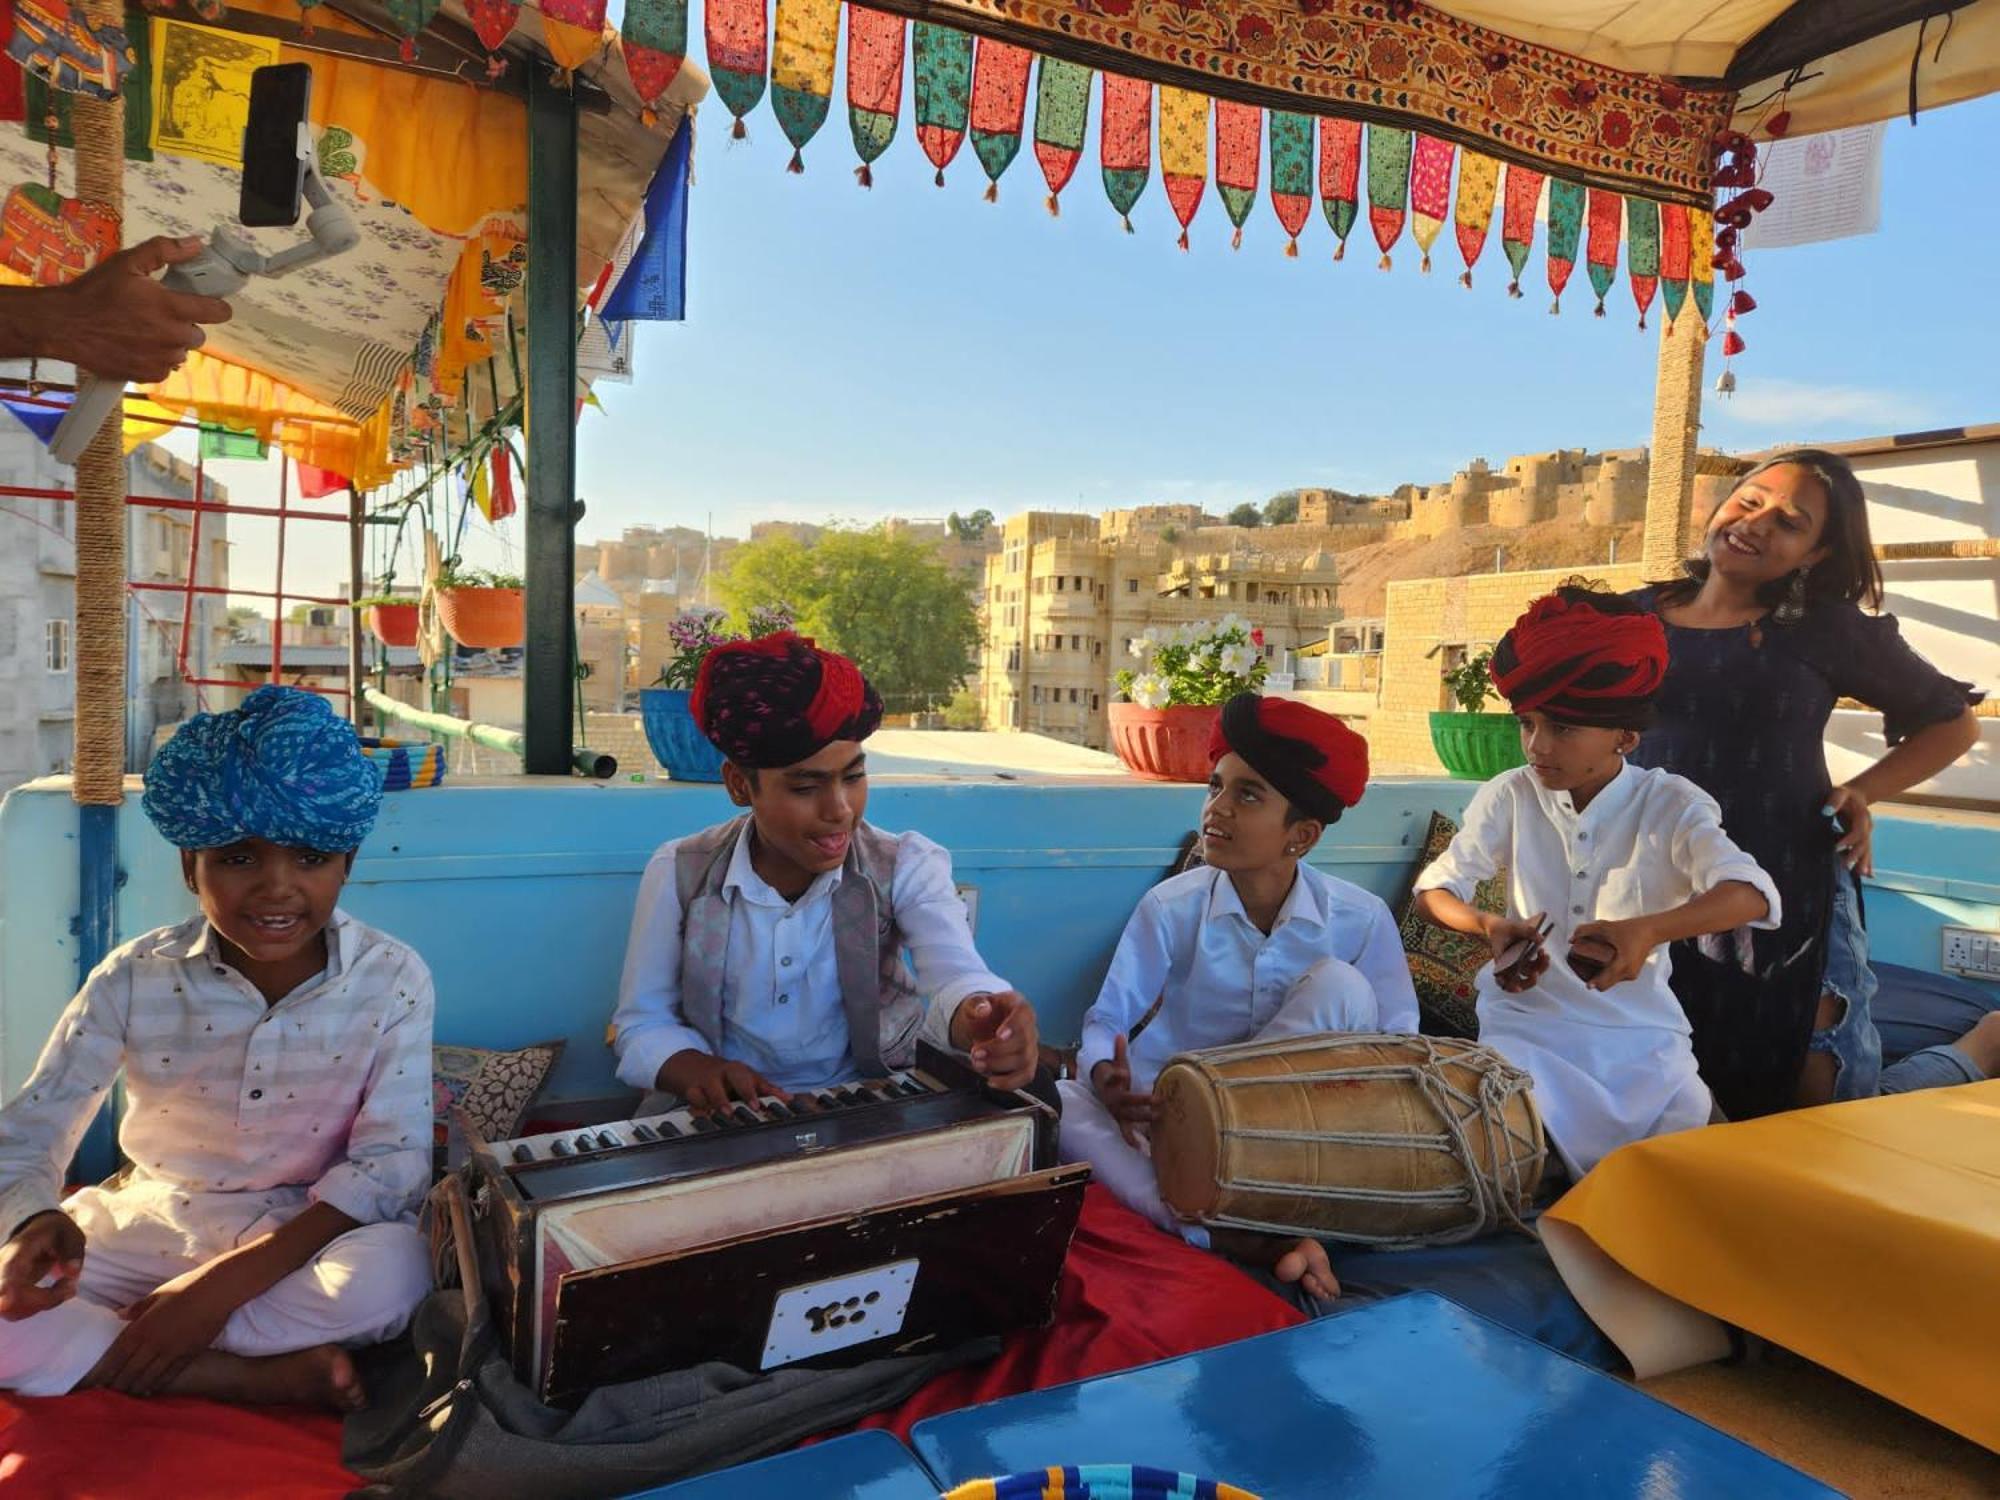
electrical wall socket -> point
(1971, 952)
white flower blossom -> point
(1142, 646)
(1232, 621)
(1187, 635)
(1238, 660)
(1149, 692)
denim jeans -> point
(1854, 1040)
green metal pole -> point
(551, 523)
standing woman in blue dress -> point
(1766, 633)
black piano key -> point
(912, 1088)
(667, 1130)
(585, 1143)
(702, 1124)
(607, 1140)
(854, 1093)
(644, 1132)
(777, 1109)
(829, 1099)
(524, 1152)
(560, 1147)
(743, 1115)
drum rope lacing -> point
(1492, 1197)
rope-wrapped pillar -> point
(98, 758)
(1676, 438)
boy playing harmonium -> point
(1254, 945)
(768, 954)
(277, 1124)
(1606, 864)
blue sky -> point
(910, 350)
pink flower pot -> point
(1164, 744)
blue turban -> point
(280, 768)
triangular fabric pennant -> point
(493, 22)
(802, 58)
(572, 29)
(1701, 261)
(227, 442)
(653, 288)
(1340, 177)
(500, 502)
(738, 34)
(1565, 234)
(1388, 184)
(1430, 192)
(317, 483)
(1291, 173)
(1472, 213)
(1183, 152)
(1674, 262)
(999, 107)
(1125, 145)
(1062, 119)
(1239, 148)
(876, 44)
(1607, 220)
(655, 37)
(1517, 222)
(1642, 253)
(944, 91)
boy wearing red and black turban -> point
(1606, 864)
(768, 954)
(1255, 945)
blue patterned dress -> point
(1743, 714)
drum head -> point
(1187, 1133)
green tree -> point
(1246, 514)
(1282, 509)
(969, 528)
(885, 601)
(964, 712)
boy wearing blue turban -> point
(277, 1124)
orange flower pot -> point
(1164, 744)
(484, 619)
(393, 624)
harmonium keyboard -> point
(882, 1217)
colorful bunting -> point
(655, 34)
(1125, 145)
(1183, 152)
(653, 286)
(999, 104)
(1291, 173)
(1673, 259)
(1601, 251)
(1239, 145)
(737, 34)
(494, 497)
(573, 29)
(875, 46)
(1478, 177)
(1565, 234)
(802, 56)
(1062, 118)
(410, 17)
(1642, 255)
(1701, 261)
(944, 92)
(230, 442)
(1430, 192)
(1388, 184)
(1339, 176)
(493, 22)
(1517, 226)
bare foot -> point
(323, 1376)
(1305, 1263)
(1982, 1045)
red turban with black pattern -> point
(1584, 657)
(1317, 762)
(778, 700)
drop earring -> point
(1792, 608)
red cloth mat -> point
(1130, 1295)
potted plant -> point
(1165, 712)
(393, 618)
(1475, 745)
(677, 741)
(480, 609)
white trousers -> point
(360, 1289)
(1331, 996)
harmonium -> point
(882, 1217)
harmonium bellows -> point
(887, 1216)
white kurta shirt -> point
(1191, 941)
(1615, 1065)
(781, 1003)
(237, 1113)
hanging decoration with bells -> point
(1737, 168)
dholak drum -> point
(1385, 1140)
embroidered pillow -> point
(492, 1089)
(1443, 963)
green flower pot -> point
(1477, 747)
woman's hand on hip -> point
(1849, 810)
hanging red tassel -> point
(1340, 251)
(940, 176)
(737, 132)
(1383, 263)
(1514, 288)
(863, 176)
(1236, 239)
(1055, 208)
(408, 51)
(648, 116)
(1291, 249)
(1740, 303)
(992, 192)
(1465, 279)
(1778, 124)
(1127, 221)
(1732, 344)
(797, 164)
(1425, 264)
(1183, 241)
(1556, 308)
(1599, 311)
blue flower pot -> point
(670, 729)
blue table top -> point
(1414, 1396)
(860, 1466)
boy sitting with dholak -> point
(1254, 945)
(1606, 864)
